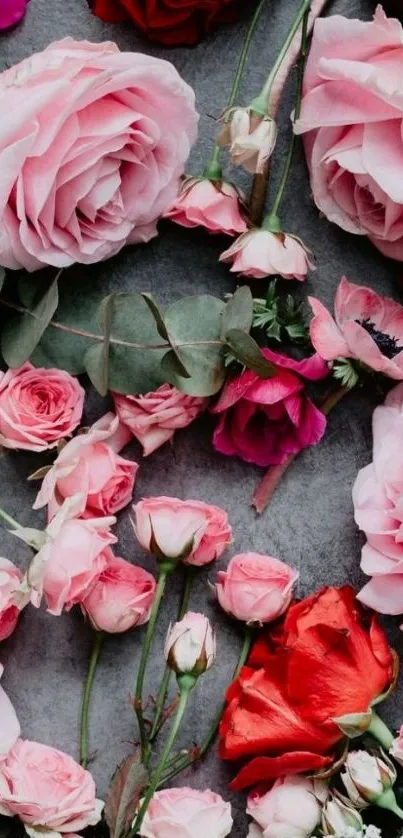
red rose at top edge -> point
(327, 659)
(168, 21)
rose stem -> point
(182, 761)
(213, 170)
(162, 692)
(380, 731)
(387, 800)
(13, 523)
(267, 486)
(98, 639)
(138, 694)
(186, 684)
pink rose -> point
(291, 809)
(90, 465)
(9, 725)
(112, 132)
(378, 507)
(187, 813)
(190, 647)
(187, 530)
(352, 110)
(215, 205)
(121, 597)
(251, 138)
(48, 789)
(154, 417)
(38, 407)
(11, 12)
(10, 579)
(255, 588)
(396, 750)
(260, 253)
(264, 420)
(367, 327)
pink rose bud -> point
(190, 647)
(11, 12)
(215, 205)
(396, 751)
(38, 407)
(47, 789)
(10, 580)
(90, 465)
(9, 725)
(121, 597)
(182, 530)
(154, 417)
(251, 138)
(255, 588)
(187, 813)
(260, 253)
(367, 778)
(291, 809)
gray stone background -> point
(310, 521)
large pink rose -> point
(121, 597)
(93, 155)
(255, 588)
(38, 407)
(10, 579)
(351, 115)
(90, 465)
(154, 417)
(47, 788)
(9, 725)
(378, 505)
(187, 813)
(263, 420)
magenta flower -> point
(11, 12)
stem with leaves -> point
(95, 653)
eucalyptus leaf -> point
(238, 313)
(194, 324)
(207, 370)
(21, 334)
(247, 352)
(134, 368)
(97, 356)
(159, 320)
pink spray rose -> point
(251, 138)
(10, 579)
(352, 116)
(260, 253)
(264, 420)
(112, 133)
(9, 725)
(255, 588)
(187, 813)
(366, 327)
(215, 205)
(11, 12)
(48, 789)
(195, 532)
(121, 597)
(90, 465)
(154, 417)
(291, 809)
(38, 407)
(190, 647)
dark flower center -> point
(388, 345)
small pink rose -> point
(215, 205)
(187, 530)
(154, 417)
(9, 725)
(48, 789)
(12, 12)
(10, 579)
(89, 465)
(259, 253)
(251, 138)
(187, 813)
(255, 588)
(38, 407)
(190, 647)
(291, 809)
(121, 597)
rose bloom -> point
(9, 725)
(290, 809)
(263, 421)
(89, 465)
(112, 133)
(351, 115)
(255, 588)
(47, 788)
(121, 597)
(396, 750)
(366, 327)
(154, 417)
(190, 647)
(215, 205)
(326, 647)
(187, 813)
(378, 509)
(10, 579)
(11, 12)
(366, 777)
(259, 253)
(188, 529)
(167, 21)
(38, 407)
(251, 138)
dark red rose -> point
(170, 22)
(327, 659)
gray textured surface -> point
(310, 522)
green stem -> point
(380, 731)
(138, 694)
(13, 523)
(156, 777)
(387, 800)
(95, 653)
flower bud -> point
(338, 816)
(190, 647)
(251, 138)
(367, 777)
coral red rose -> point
(325, 661)
(169, 21)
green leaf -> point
(134, 369)
(196, 321)
(127, 786)
(163, 331)
(247, 352)
(238, 313)
(207, 371)
(96, 358)
(22, 334)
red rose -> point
(168, 21)
(327, 659)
